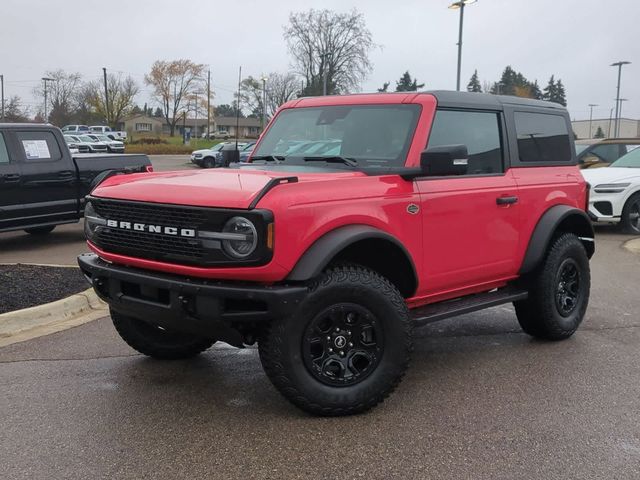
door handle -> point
(506, 200)
(10, 177)
(65, 174)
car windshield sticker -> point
(36, 149)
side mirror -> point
(444, 160)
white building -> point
(628, 128)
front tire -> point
(39, 231)
(209, 162)
(558, 291)
(630, 220)
(346, 348)
(156, 342)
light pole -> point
(619, 65)
(620, 113)
(324, 73)
(2, 88)
(591, 105)
(45, 80)
(264, 102)
(455, 6)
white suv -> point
(615, 192)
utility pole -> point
(208, 104)
(45, 80)
(106, 96)
(264, 102)
(2, 88)
(619, 65)
(324, 73)
(591, 105)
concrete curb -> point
(633, 245)
(40, 320)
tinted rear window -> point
(542, 137)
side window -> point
(607, 152)
(630, 148)
(39, 146)
(4, 155)
(479, 131)
(542, 137)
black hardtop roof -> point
(37, 126)
(469, 99)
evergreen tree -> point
(136, 110)
(474, 83)
(406, 84)
(384, 88)
(550, 90)
(560, 94)
(158, 113)
(535, 90)
(599, 133)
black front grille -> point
(172, 248)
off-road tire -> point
(540, 315)
(154, 342)
(630, 208)
(209, 162)
(281, 346)
(40, 230)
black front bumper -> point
(202, 307)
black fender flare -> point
(324, 249)
(574, 219)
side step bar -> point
(472, 303)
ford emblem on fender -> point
(412, 208)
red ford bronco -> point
(358, 218)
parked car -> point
(217, 134)
(93, 145)
(42, 185)
(113, 146)
(437, 205)
(210, 157)
(78, 129)
(245, 152)
(601, 153)
(112, 134)
(76, 147)
(615, 192)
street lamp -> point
(45, 80)
(455, 6)
(264, 101)
(591, 105)
(619, 65)
(620, 101)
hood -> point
(225, 188)
(598, 176)
(203, 151)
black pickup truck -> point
(42, 185)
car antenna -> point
(238, 106)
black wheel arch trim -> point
(324, 249)
(548, 224)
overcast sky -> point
(574, 39)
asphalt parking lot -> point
(481, 400)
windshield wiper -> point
(269, 158)
(333, 159)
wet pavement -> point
(481, 400)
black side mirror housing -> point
(444, 160)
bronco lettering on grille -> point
(144, 227)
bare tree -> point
(14, 111)
(173, 82)
(280, 89)
(61, 92)
(251, 95)
(325, 43)
(121, 91)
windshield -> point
(103, 138)
(581, 148)
(217, 147)
(373, 135)
(86, 138)
(630, 160)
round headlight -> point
(241, 237)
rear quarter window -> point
(4, 155)
(39, 146)
(542, 138)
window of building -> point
(143, 127)
(39, 146)
(478, 131)
(4, 155)
(542, 137)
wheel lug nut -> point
(348, 332)
(337, 329)
(341, 353)
(328, 338)
(350, 344)
(330, 350)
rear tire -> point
(558, 291)
(40, 230)
(345, 349)
(630, 220)
(156, 342)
